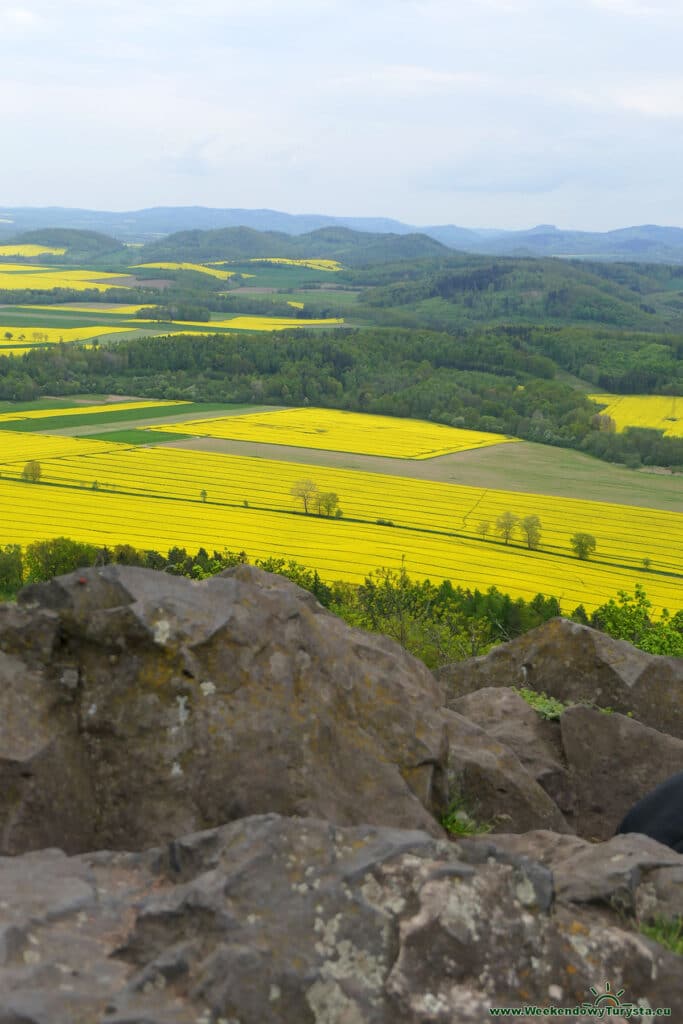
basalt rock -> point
(536, 742)
(280, 775)
(137, 706)
(495, 787)
(575, 663)
(612, 762)
(273, 920)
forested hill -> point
(353, 248)
(479, 289)
(79, 245)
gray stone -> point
(613, 761)
(273, 920)
(575, 663)
(508, 718)
(169, 705)
(496, 788)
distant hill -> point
(467, 289)
(648, 243)
(645, 243)
(78, 244)
(352, 248)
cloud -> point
(654, 97)
(640, 8)
(408, 80)
(20, 20)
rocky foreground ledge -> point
(280, 777)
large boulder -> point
(273, 920)
(138, 706)
(575, 663)
(493, 785)
(508, 718)
(613, 761)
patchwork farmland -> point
(160, 497)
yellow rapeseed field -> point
(661, 412)
(310, 264)
(436, 525)
(223, 275)
(252, 323)
(96, 308)
(16, 276)
(17, 249)
(333, 430)
(27, 337)
(18, 447)
(339, 549)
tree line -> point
(438, 623)
(508, 525)
(482, 381)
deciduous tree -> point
(506, 524)
(531, 528)
(32, 471)
(306, 491)
(583, 545)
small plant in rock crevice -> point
(459, 821)
(665, 930)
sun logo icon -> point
(607, 997)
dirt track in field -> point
(523, 467)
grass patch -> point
(547, 707)
(550, 708)
(43, 403)
(459, 821)
(667, 932)
(28, 319)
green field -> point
(75, 424)
(47, 316)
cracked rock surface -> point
(279, 920)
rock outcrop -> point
(220, 804)
(273, 920)
(144, 706)
(594, 745)
(575, 663)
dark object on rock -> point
(659, 814)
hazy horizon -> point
(332, 216)
(484, 114)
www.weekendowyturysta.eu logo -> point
(607, 1003)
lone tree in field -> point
(506, 526)
(203, 495)
(583, 545)
(483, 529)
(306, 491)
(328, 503)
(531, 528)
(32, 471)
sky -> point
(480, 113)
